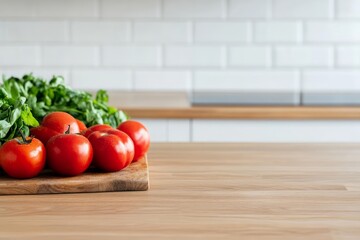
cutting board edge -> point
(140, 169)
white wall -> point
(181, 45)
(172, 44)
(295, 131)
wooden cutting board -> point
(133, 178)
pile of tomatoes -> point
(68, 147)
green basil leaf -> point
(4, 128)
(28, 118)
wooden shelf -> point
(177, 106)
(247, 113)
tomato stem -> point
(24, 140)
(68, 130)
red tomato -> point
(124, 138)
(81, 124)
(111, 152)
(53, 124)
(98, 127)
(21, 159)
(140, 136)
(43, 133)
(69, 154)
(60, 121)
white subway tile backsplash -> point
(348, 9)
(304, 56)
(332, 32)
(93, 79)
(261, 80)
(70, 56)
(194, 56)
(19, 55)
(249, 9)
(179, 130)
(100, 32)
(222, 32)
(130, 8)
(162, 80)
(348, 56)
(277, 48)
(131, 56)
(278, 32)
(48, 8)
(302, 9)
(33, 31)
(249, 56)
(275, 131)
(162, 32)
(158, 129)
(168, 130)
(331, 80)
(150, 45)
(194, 9)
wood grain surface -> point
(133, 178)
(177, 106)
(209, 191)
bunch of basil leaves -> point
(25, 101)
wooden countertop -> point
(177, 106)
(209, 191)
